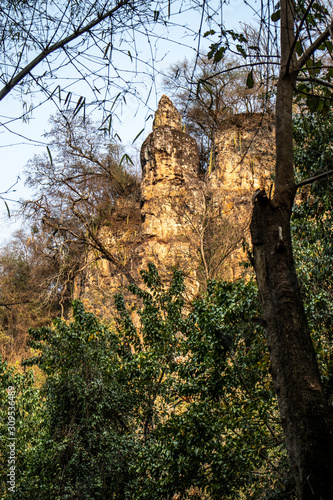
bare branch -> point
(59, 45)
(314, 79)
(8, 304)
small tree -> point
(81, 185)
(34, 288)
(206, 102)
(88, 413)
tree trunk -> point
(306, 417)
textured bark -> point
(306, 417)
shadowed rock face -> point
(244, 162)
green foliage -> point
(312, 226)
(226, 40)
(28, 432)
(88, 412)
(211, 425)
(178, 401)
(314, 88)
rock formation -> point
(186, 221)
(243, 162)
(170, 187)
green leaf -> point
(313, 103)
(316, 6)
(241, 50)
(329, 45)
(80, 103)
(219, 54)
(50, 156)
(213, 48)
(208, 33)
(250, 80)
(106, 50)
(126, 158)
(298, 48)
(115, 100)
(138, 135)
(156, 15)
(276, 16)
(8, 211)
(68, 99)
(198, 89)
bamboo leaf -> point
(8, 211)
(68, 99)
(106, 50)
(115, 100)
(50, 156)
(126, 158)
(80, 103)
(138, 135)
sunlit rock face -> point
(170, 188)
(244, 153)
(202, 225)
(197, 224)
(243, 161)
(169, 160)
(167, 114)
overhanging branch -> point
(313, 47)
(8, 304)
(58, 45)
(314, 79)
(315, 178)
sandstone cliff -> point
(243, 162)
(183, 220)
(170, 188)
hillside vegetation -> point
(178, 404)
